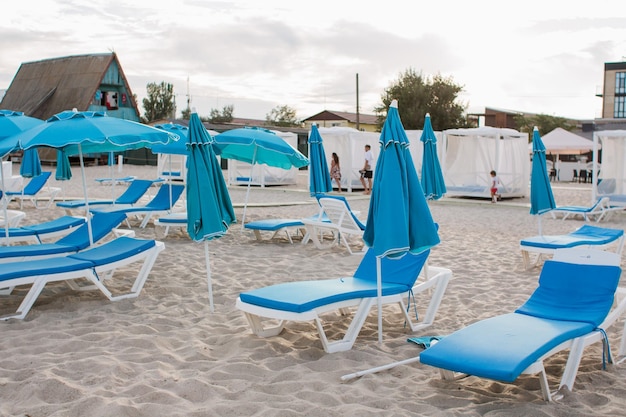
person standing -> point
(366, 172)
(495, 182)
(335, 171)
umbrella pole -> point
(5, 203)
(208, 275)
(379, 297)
(245, 204)
(82, 170)
(380, 368)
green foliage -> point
(282, 116)
(226, 116)
(160, 102)
(544, 123)
(418, 95)
(186, 114)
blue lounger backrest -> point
(34, 185)
(101, 225)
(573, 292)
(133, 193)
(161, 200)
(403, 270)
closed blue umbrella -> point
(399, 219)
(31, 164)
(209, 208)
(319, 176)
(541, 197)
(90, 132)
(64, 170)
(256, 145)
(432, 177)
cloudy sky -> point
(535, 56)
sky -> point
(534, 56)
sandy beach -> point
(165, 354)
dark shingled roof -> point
(44, 88)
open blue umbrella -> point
(178, 147)
(432, 177)
(77, 133)
(399, 219)
(209, 209)
(541, 197)
(12, 123)
(319, 176)
(256, 145)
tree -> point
(418, 95)
(225, 116)
(160, 102)
(545, 123)
(282, 116)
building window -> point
(620, 83)
(619, 111)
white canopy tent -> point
(561, 142)
(349, 145)
(242, 173)
(612, 176)
(470, 155)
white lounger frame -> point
(435, 279)
(95, 277)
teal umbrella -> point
(541, 197)
(399, 219)
(31, 164)
(209, 208)
(82, 132)
(432, 177)
(178, 147)
(12, 123)
(319, 176)
(256, 145)
(64, 170)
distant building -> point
(92, 82)
(329, 118)
(614, 91)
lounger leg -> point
(353, 330)
(439, 280)
(28, 301)
(256, 324)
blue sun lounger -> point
(95, 265)
(77, 240)
(586, 236)
(267, 309)
(36, 233)
(162, 202)
(35, 189)
(571, 309)
(131, 195)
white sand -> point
(165, 354)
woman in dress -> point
(335, 171)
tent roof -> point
(486, 131)
(562, 142)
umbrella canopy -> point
(31, 164)
(432, 177)
(562, 142)
(209, 209)
(64, 170)
(399, 219)
(255, 145)
(178, 147)
(319, 176)
(90, 132)
(541, 197)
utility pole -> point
(357, 102)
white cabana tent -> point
(612, 176)
(349, 144)
(561, 142)
(240, 173)
(470, 154)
